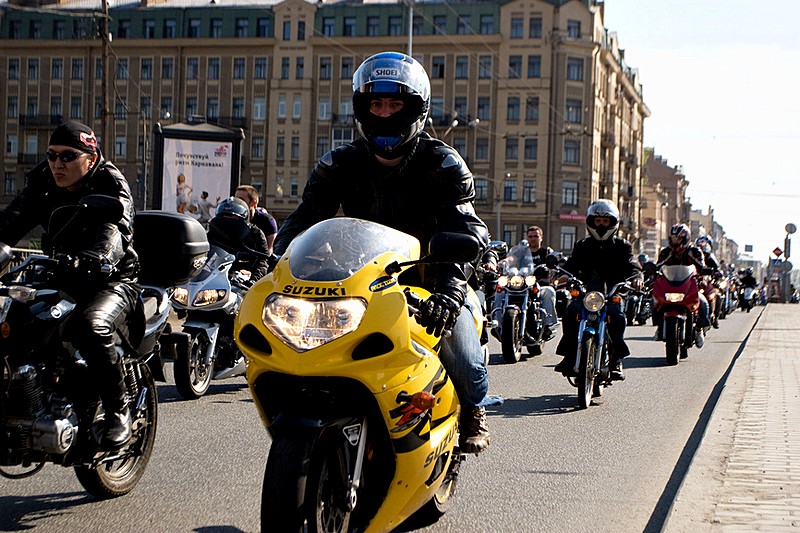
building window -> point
(460, 145)
(440, 24)
(487, 24)
(512, 149)
(57, 69)
(293, 187)
(12, 107)
(242, 28)
(55, 106)
(35, 29)
(77, 69)
(484, 108)
(99, 71)
(572, 152)
(59, 30)
(516, 28)
(301, 30)
(280, 148)
(166, 106)
(33, 69)
(535, 27)
(322, 146)
(213, 68)
(212, 108)
(262, 27)
(568, 237)
(417, 24)
(299, 68)
(328, 24)
(170, 29)
(569, 193)
(259, 108)
(282, 106)
(149, 29)
(325, 68)
(295, 148)
(120, 109)
(437, 67)
(79, 29)
(257, 148)
(191, 106)
(531, 149)
(13, 69)
(147, 68)
(349, 27)
(15, 29)
(514, 67)
(297, 107)
(122, 69)
(532, 108)
(31, 144)
(510, 190)
(575, 69)
(460, 107)
(395, 25)
(482, 149)
(510, 232)
(284, 68)
(237, 107)
(10, 183)
(76, 107)
(260, 68)
(347, 68)
(512, 110)
(145, 107)
(535, 66)
(120, 145)
(194, 28)
(239, 68)
(462, 67)
(324, 108)
(574, 115)
(481, 189)
(98, 107)
(373, 26)
(32, 106)
(529, 192)
(485, 67)
(216, 29)
(342, 136)
(167, 68)
(574, 29)
(287, 30)
(464, 26)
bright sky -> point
(722, 81)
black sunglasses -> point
(66, 156)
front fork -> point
(356, 435)
(597, 329)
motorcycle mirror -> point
(6, 255)
(551, 261)
(448, 247)
(650, 268)
(500, 248)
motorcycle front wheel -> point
(586, 371)
(511, 338)
(118, 477)
(192, 375)
(673, 339)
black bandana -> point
(75, 135)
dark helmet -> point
(391, 75)
(602, 208)
(705, 243)
(233, 207)
(643, 258)
(680, 237)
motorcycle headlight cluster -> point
(594, 301)
(209, 296)
(674, 297)
(181, 296)
(306, 324)
(516, 281)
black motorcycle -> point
(50, 410)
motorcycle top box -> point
(172, 247)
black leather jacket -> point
(692, 256)
(36, 202)
(601, 264)
(431, 191)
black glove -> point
(272, 262)
(91, 263)
(438, 313)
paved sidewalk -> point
(745, 475)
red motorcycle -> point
(677, 295)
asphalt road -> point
(614, 467)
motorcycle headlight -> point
(306, 324)
(594, 301)
(209, 296)
(502, 281)
(674, 297)
(530, 281)
(181, 295)
(723, 284)
(22, 294)
(516, 282)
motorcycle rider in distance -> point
(746, 278)
(600, 261)
(547, 294)
(681, 252)
(397, 175)
(706, 245)
(231, 230)
(102, 276)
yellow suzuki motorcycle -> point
(362, 415)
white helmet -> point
(602, 208)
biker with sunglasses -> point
(102, 274)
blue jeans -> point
(462, 358)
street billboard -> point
(195, 165)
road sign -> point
(777, 251)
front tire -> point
(672, 339)
(119, 477)
(511, 340)
(586, 372)
(192, 375)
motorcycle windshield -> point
(216, 259)
(678, 273)
(335, 249)
(519, 260)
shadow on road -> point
(169, 393)
(552, 404)
(22, 513)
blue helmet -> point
(391, 75)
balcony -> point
(40, 120)
(231, 122)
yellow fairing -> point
(419, 438)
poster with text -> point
(197, 174)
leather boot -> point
(113, 394)
(117, 428)
(473, 430)
(616, 371)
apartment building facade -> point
(535, 94)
